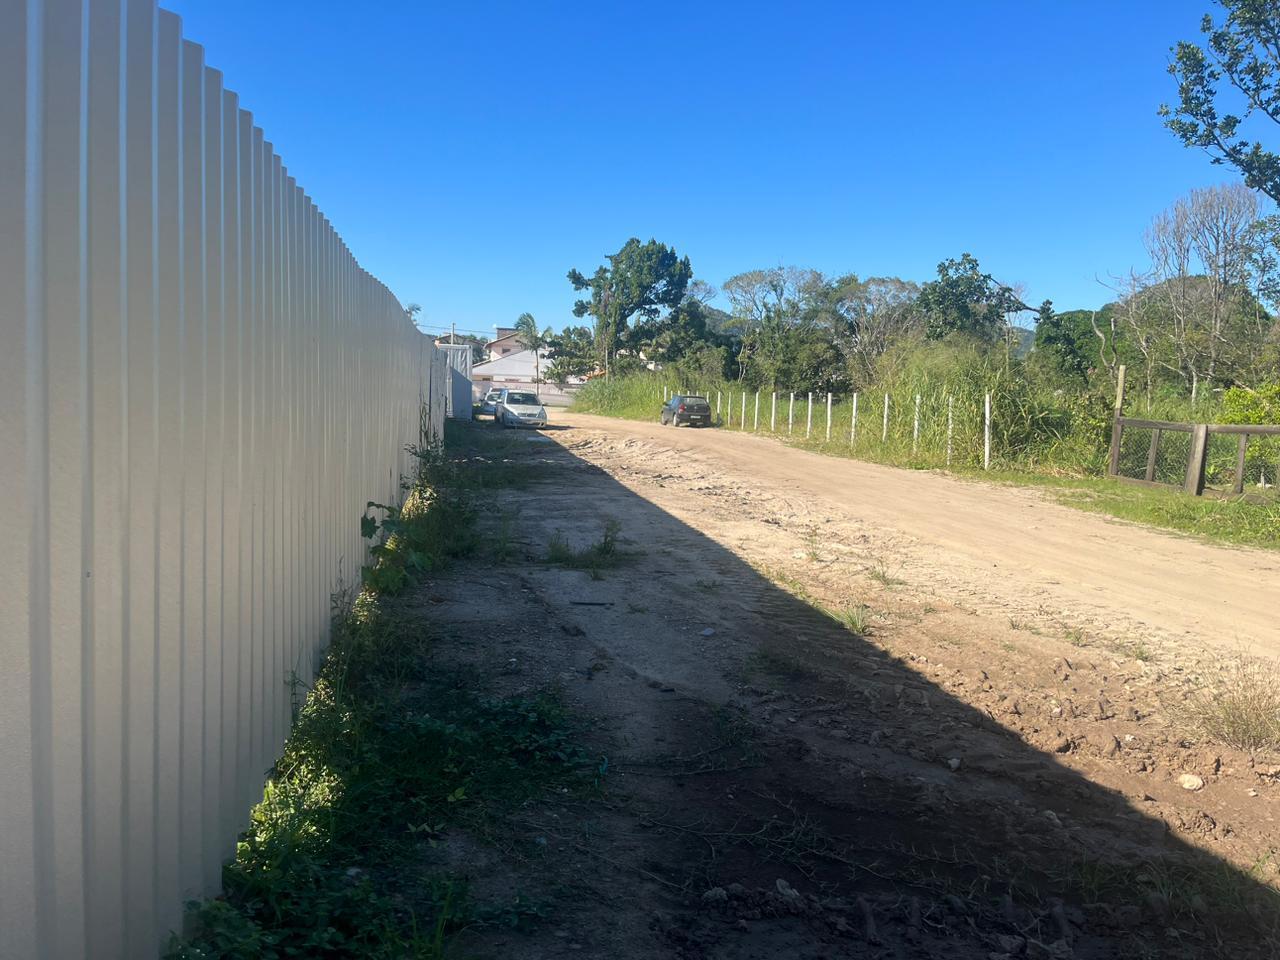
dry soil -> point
(849, 711)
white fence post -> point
(773, 411)
(828, 418)
(853, 425)
(950, 426)
(791, 414)
(808, 426)
(884, 432)
(986, 436)
(755, 423)
(742, 420)
(717, 403)
(915, 428)
(728, 409)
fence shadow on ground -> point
(851, 774)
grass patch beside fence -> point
(389, 756)
(1221, 520)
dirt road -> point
(999, 547)
(829, 726)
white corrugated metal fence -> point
(200, 388)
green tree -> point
(572, 354)
(527, 331)
(685, 328)
(639, 280)
(779, 313)
(868, 317)
(965, 300)
(1245, 51)
(1067, 339)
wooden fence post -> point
(986, 435)
(1152, 451)
(853, 425)
(1195, 462)
(1238, 486)
(828, 418)
(1113, 462)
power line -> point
(445, 328)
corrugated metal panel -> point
(199, 390)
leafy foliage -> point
(1059, 335)
(1260, 405)
(572, 354)
(965, 300)
(433, 526)
(388, 755)
(1244, 50)
(639, 280)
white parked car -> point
(519, 409)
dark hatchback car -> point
(694, 411)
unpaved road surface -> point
(1004, 547)
(831, 726)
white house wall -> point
(200, 388)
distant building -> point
(512, 365)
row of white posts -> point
(726, 404)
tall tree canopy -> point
(782, 321)
(639, 281)
(965, 300)
(1245, 51)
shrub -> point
(1242, 405)
(1242, 708)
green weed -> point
(592, 558)
(388, 754)
(855, 618)
(880, 573)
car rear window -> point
(527, 399)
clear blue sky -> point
(471, 153)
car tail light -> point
(682, 408)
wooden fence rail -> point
(1200, 472)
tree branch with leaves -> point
(639, 281)
(1244, 50)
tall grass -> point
(928, 410)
